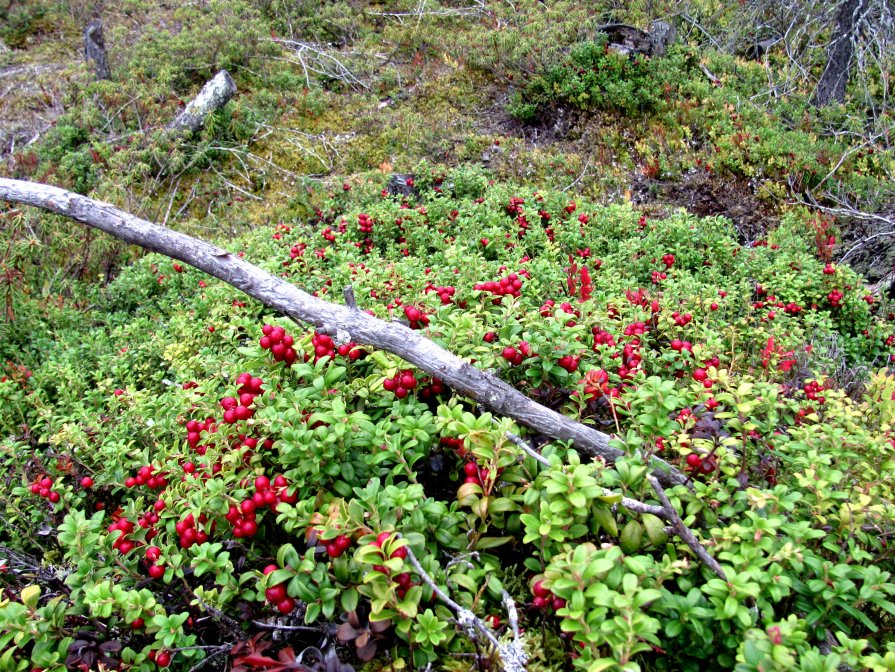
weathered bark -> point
(95, 49)
(662, 35)
(401, 184)
(833, 81)
(213, 96)
(626, 39)
(344, 322)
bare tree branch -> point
(684, 532)
(357, 326)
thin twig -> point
(512, 654)
(683, 531)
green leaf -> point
(349, 599)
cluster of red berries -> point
(631, 359)
(813, 391)
(243, 518)
(365, 226)
(680, 346)
(446, 294)
(511, 285)
(702, 376)
(544, 600)
(277, 594)
(417, 318)
(324, 346)
(829, 269)
(240, 408)
(430, 388)
(188, 533)
(279, 343)
(150, 518)
(668, 260)
(601, 337)
(549, 305)
(596, 385)
(702, 465)
(43, 488)
(146, 476)
(194, 429)
(122, 543)
(161, 658)
(403, 579)
(455, 444)
(658, 276)
(297, 251)
(515, 356)
(400, 552)
(473, 473)
(682, 320)
(515, 205)
(835, 298)
(337, 546)
(636, 329)
(401, 383)
(569, 362)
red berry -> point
(286, 605)
(156, 571)
(276, 593)
(270, 569)
(693, 460)
(87, 482)
(539, 590)
(262, 483)
(163, 659)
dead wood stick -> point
(343, 321)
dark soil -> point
(708, 195)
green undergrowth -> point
(184, 467)
(758, 371)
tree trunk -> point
(95, 49)
(831, 87)
(213, 96)
(343, 322)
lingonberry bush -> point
(204, 478)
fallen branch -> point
(511, 654)
(312, 58)
(683, 531)
(213, 96)
(342, 321)
(666, 512)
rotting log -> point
(213, 96)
